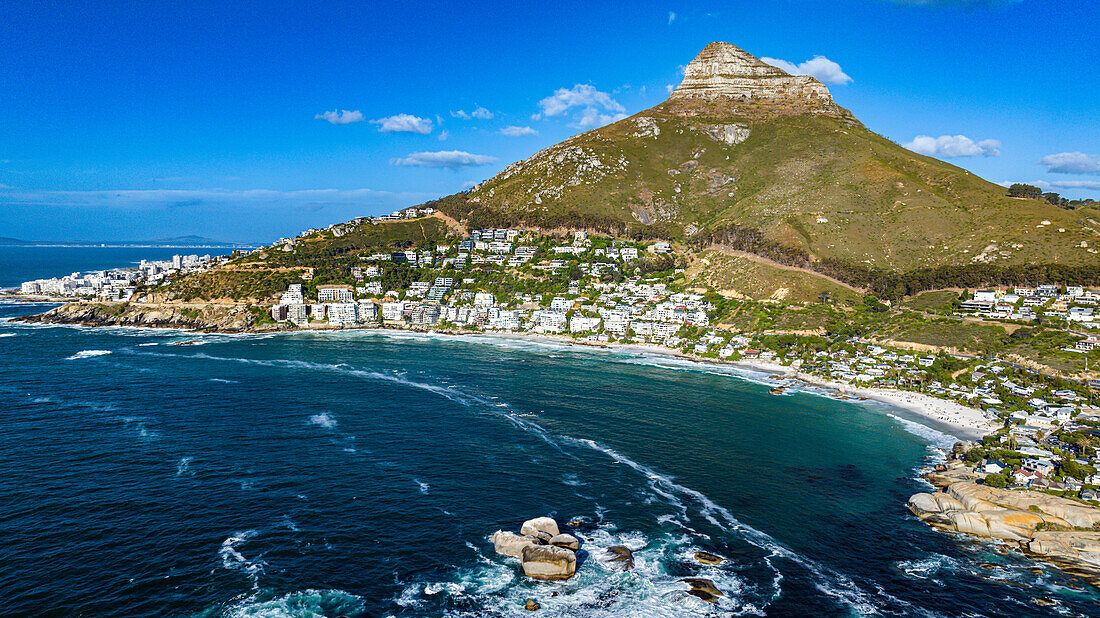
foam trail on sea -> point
(88, 354)
(834, 584)
(232, 559)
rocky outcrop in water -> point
(548, 562)
(544, 552)
(1062, 531)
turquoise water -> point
(361, 474)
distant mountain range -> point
(176, 241)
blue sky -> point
(143, 120)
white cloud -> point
(404, 123)
(826, 71)
(670, 88)
(580, 95)
(1076, 184)
(450, 159)
(479, 114)
(593, 107)
(590, 117)
(1072, 163)
(671, 17)
(954, 146)
(514, 131)
(343, 117)
(443, 135)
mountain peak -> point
(726, 73)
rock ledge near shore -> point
(1061, 531)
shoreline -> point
(941, 415)
(948, 416)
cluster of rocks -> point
(546, 553)
(1062, 531)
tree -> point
(1021, 190)
(997, 480)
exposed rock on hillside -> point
(726, 72)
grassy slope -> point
(886, 206)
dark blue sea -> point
(164, 473)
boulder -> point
(548, 562)
(532, 605)
(703, 589)
(923, 504)
(707, 558)
(622, 555)
(567, 541)
(947, 503)
(510, 544)
(532, 527)
(969, 522)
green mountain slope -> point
(763, 151)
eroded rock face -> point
(1041, 523)
(729, 134)
(510, 544)
(567, 541)
(532, 527)
(726, 72)
(548, 562)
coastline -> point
(938, 414)
(948, 416)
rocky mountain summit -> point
(726, 73)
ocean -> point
(164, 473)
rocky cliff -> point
(207, 317)
(728, 74)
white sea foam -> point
(309, 603)
(88, 354)
(2, 335)
(934, 437)
(933, 567)
(424, 487)
(184, 466)
(323, 419)
(223, 381)
(233, 560)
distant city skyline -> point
(249, 123)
